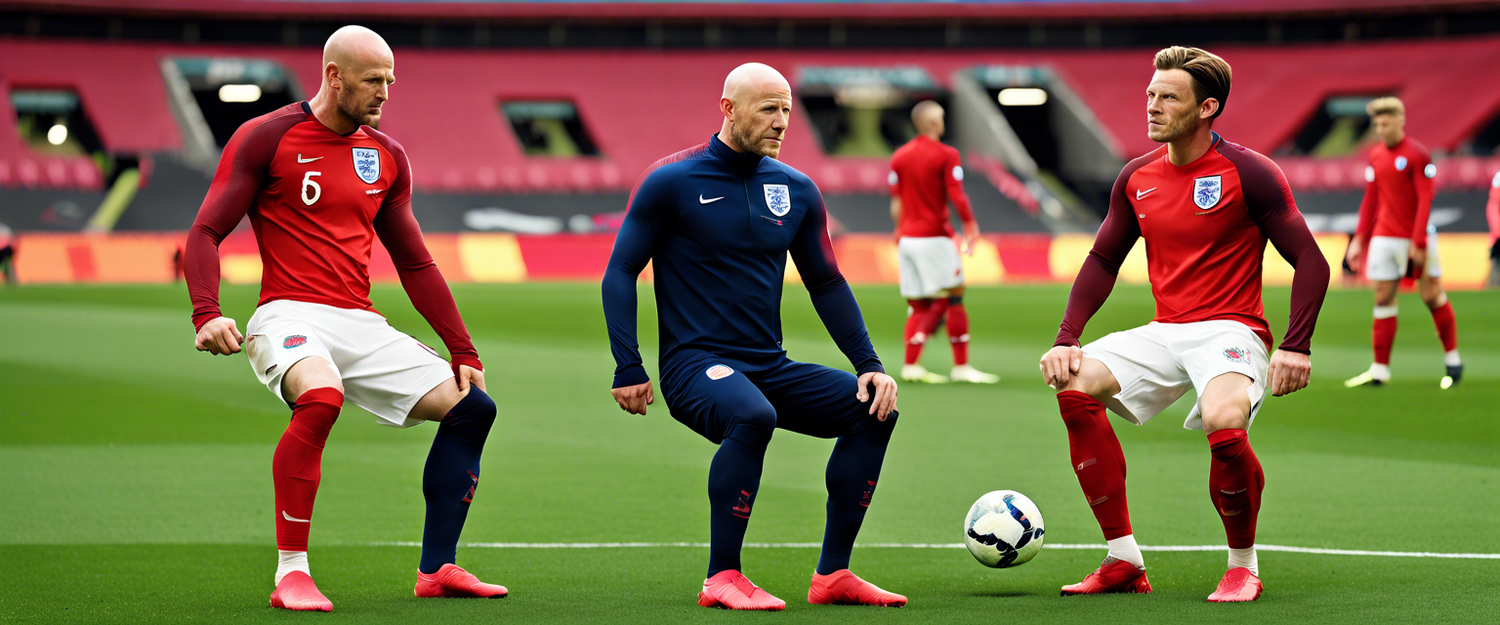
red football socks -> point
(297, 464)
(1235, 482)
(913, 322)
(958, 331)
(1384, 336)
(1098, 461)
(1447, 326)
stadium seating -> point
(640, 105)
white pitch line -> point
(1282, 548)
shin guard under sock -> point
(1098, 461)
(1235, 482)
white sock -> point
(1124, 548)
(1381, 372)
(1245, 558)
(291, 561)
(1451, 358)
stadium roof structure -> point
(865, 10)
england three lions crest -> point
(778, 199)
(367, 164)
(1207, 191)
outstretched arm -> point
(1275, 212)
(637, 239)
(1096, 278)
(812, 252)
(424, 284)
(237, 181)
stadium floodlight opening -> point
(57, 134)
(1029, 96)
(239, 93)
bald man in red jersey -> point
(1206, 208)
(926, 176)
(320, 184)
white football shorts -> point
(1157, 363)
(384, 371)
(929, 265)
(1388, 256)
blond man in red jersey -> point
(1206, 208)
(1394, 236)
(925, 177)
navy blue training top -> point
(717, 226)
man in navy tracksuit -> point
(718, 221)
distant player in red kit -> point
(320, 184)
(925, 177)
(1206, 208)
(1394, 235)
(1492, 215)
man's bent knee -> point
(307, 374)
(1225, 404)
(1093, 379)
(437, 402)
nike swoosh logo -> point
(291, 518)
(708, 201)
(307, 160)
(1141, 194)
(373, 191)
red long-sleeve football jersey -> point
(1206, 225)
(317, 200)
(1398, 192)
(926, 175)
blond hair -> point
(1388, 105)
(1211, 74)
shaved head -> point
(927, 117)
(358, 69)
(752, 79)
(356, 47)
(757, 104)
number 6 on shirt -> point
(317, 191)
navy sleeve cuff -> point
(631, 376)
(876, 367)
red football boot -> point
(1239, 584)
(845, 588)
(298, 592)
(732, 591)
(451, 581)
(1116, 576)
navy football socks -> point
(853, 469)
(452, 475)
(733, 479)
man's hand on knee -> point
(468, 375)
(884, 400)
(1059, 365)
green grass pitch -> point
(137, 482)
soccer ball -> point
(1003, 529)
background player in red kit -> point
(1393, 234)
(1206, 208)
(1492, 215)
(320, 183)
(925, 176)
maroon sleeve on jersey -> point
(1368, 207)
(955, 186)
(1096, 278)
(1271, 206)
(1423, 184)
(237, 181)
(424, 284)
